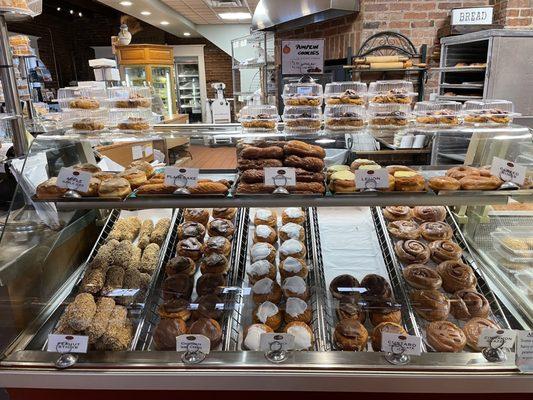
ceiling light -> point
(80, 14)
(186, 33)
(58, 8)
(126, 3)
(235, 15)
(146, 13)
(165, 23)
(71, 11)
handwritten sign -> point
(280, 177)
(401, 344)
(193, 344)
(508, 171)
(69, 178)
(497, 338)
(67, 343)
(524, 351)
(302, 57)
(181, 177)
(137, 152)
(372, 179)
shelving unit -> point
(188, 82)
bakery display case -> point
(306, 281)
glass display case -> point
(189, 90)
(350, 284)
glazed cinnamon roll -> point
(445, 336)
(468, 304)
(395, 213)
(421, 276)
(431, 305)
(404, 229)
(444, 250)
(412, 251)
(473, 328)
(436, 231)
(456, 276)
(429, 214)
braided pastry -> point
(468, 303)
(302, 149)
(456, 276)
(444, 250)
(254, 153)
(312, 164)
(445, 336)
(412, 251)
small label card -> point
(524, 351)
(508, 171)
(122, 293)
(351, 290)
(401, 344)
(69, 178)
(497, 338)
(193, 344)
(276, 342)
(372, 179)
(148, 150)
(137, 152)
(236, 289)
(280, 177)
(181, 177)
(67, 343)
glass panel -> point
(162, 83)
(135, 76)
(188, 79)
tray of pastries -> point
(192, 294)
(281, 274)
(451, 300)
(111, 293)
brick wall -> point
(513, 14)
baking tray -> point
(496, 314)
(135, 310)
(144, 341)
(315, 282)
(361, 225)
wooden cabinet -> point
(151, 64)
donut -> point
(462, 171)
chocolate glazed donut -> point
(468, 304)
(456, 276)
(412, 251)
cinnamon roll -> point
(429, 213)
(444, 250)
(456, 276)
(473, 328)
(445, 336)
(421, 276)
(404, 229)
(436, 231)
(412, 251)
(395, 213)
(431, 305)
(468, 304)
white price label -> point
(372, 179)
(351, 290)
(67, 343)
(236, 289)
(122, 293)
(137, 152)
(280, 177)
(69, 178)
(181, 177)
(401, 344)
(193, 344)
(524, 351)
(508, 171)
(148, 150)
(276, 341)
(497, 338)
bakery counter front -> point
(272, 264)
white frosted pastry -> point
(263, 214)
(295, 284)
(263, 286)
(262, 251)
(263, 231)
(295, 306)
(292, 247)
(259, 268)
(294, 212)
(291, 231)
(253, 336)
(266, 310)
(303, 337)
(293, 265)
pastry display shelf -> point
(459, 98)
(269, 65)
(356, 69)
(459, 69)
(462, 85)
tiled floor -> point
(212, 157)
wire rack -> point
(395, 274)
(231, 299)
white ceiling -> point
(201, 12)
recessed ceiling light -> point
(235, 15)
(126, 3)
(186, 33)
(71, 11)
(80, 14)
(146, 13)
(58, 8)
(165, 23)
